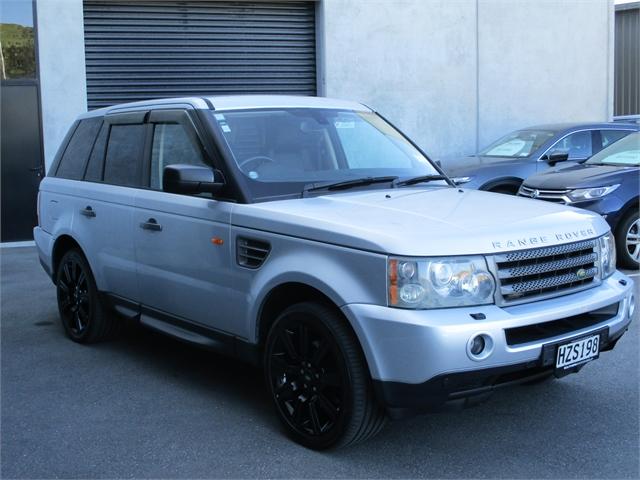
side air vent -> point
(251, 253)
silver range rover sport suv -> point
(311, 237)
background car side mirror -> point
(555, 158)
(191, 179)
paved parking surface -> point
(148, 406)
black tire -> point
(629, 225)
(318, 379)
(83, 316)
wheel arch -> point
(290, 293)
(62, 244)
(511, 182)
(627, 208)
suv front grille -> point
(556, 196)
(530, 275)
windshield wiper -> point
(420, 179)
(346, 184)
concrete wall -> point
(456, 74)
(62, 72)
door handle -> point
(151, 224)
(88, 211)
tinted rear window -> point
(75, 156)
(124, 155)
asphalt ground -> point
(147, 406)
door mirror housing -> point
(556, 158)
(191, 179)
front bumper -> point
(414, 347)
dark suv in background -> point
(609, 184)
(503, 165)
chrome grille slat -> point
(546, 267)
(558, 196)
(545, 251)
(567, 279)
(529, 275)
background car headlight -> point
(607, 255)
(582, 194)
(461, 180)
(439, 282)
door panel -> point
(181, 271)
(103, 223)
(21, 160)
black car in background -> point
(503, 165)
(608, 183)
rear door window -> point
(611, 136)
(74, 159)
(93, 172)
(123, 161)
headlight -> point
(461, 180)
(582, 194)
(439, 282)
(607, 255)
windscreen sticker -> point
(345, 124)
(219, 117)
(225, 128)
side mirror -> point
(191, 179)
(556, 158)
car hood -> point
(423, 221)
(581, 176)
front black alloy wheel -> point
(83, 316)
(318, 378)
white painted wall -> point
(453, 74)
(62, 69)
(457, 74)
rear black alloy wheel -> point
(73, 296)
(83, 316)
(318, 380)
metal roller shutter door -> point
(142, 50)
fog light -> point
(480, 346)
(632, 305)
(477, 345)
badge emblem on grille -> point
(535, 193)
(581, 273)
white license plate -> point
(578, 352)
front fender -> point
(342, 274)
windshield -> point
(623, 152)
(518, 144)
(281, 150)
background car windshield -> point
(518, 144)
(622, 152)
(309, 145)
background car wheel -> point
(83, 316)
(628, 241)
(318, 378)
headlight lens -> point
(582, 194)
(439, 282)
(607, 255)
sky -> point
(16, 11)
